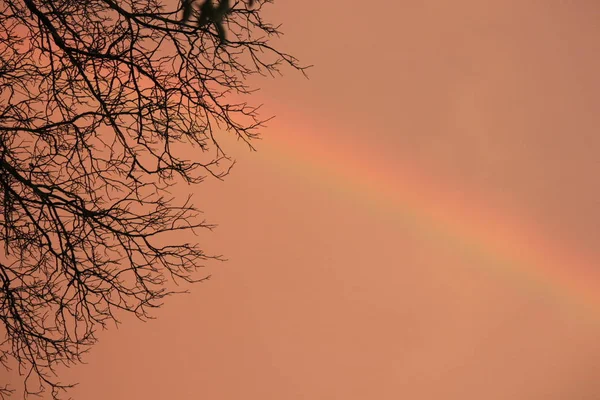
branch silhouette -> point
(100, 103)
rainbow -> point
(510, 244)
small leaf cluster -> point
(209, 14)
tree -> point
(97, 100)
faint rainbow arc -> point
(513, 245)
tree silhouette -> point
(98, 98)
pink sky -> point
(336, 288)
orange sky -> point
(361, 262)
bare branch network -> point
(98, 100)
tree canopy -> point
(98, 98)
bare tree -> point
(98, 98)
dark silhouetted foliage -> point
(98, 98)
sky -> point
(420, 220)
